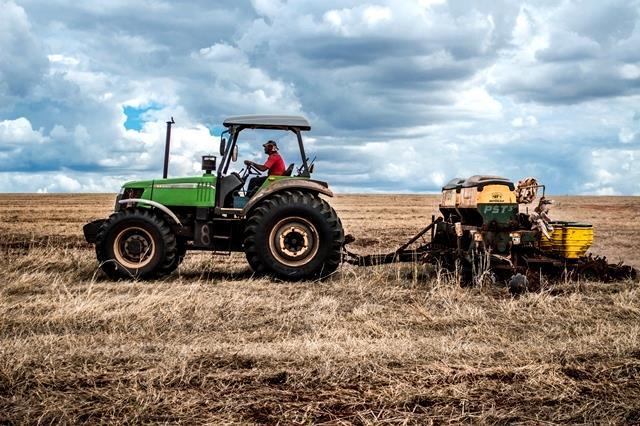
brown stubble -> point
(213, 344)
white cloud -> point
(64, 60)
(49, 182)
(627, 135)
(630, 71)
(429, 3)
(402, 95)
(478, 102)
(223, 52)
(267, 7)
(19, 132)
(22, 59)
(334, 18)
(528, 121)
(239, 83)
(373, 15)
(613, 172)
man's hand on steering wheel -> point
(251, 168)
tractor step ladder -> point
(221, 238)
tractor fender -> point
(155, 204)
(285, 184)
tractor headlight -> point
(132, 193)
(515, 237)
(125, 194)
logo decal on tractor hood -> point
(182, 185)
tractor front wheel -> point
(294, 235)
(135, 243)
(181, 252)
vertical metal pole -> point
(433, 230)
(305, 166)
(232, 143)
(167, 143)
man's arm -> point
(259, 167)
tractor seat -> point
(289, 170)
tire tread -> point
(110, 266)
(280, 200)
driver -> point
(274, 164)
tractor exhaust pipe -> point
(167, 144)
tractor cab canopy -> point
(234, 125)
(277, 122)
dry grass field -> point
(213, 344)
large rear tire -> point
(135, 243)
(294, 235)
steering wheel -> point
(250, 170)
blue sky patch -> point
(135, 118)
(216, 130)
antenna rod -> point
(166, 149)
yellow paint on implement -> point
(490, 194)
(569, 240)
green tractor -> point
(284, 227)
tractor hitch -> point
(402, 254)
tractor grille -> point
(204, 193)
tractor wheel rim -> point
(294, 241)
(134, 248)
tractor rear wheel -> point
(294, 235)
(135, 243)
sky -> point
(402, 96)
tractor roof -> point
(268, 122)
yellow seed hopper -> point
(570, 240)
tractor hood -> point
(194, 191)
(179, 182)
(138, 184)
